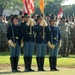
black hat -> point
(15, 16)
(47, 14)
(39, 17)
(63, 17)
(52, 18)
(0, 15)
(66, 16)
(11, 15)
(20, 13)
(22, 16)
(33, 15)
(26, 15)
(71, 15)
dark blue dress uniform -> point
(14, 34)
(28, 45)
(54, 36)
(41, 47)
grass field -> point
(66, 66)
(62, 62)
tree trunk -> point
(1, 9)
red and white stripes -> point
(60, 14)
(28, 6)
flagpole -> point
(42, 11)
(29, 8)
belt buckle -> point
(55, 38)
(16, 37)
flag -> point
(28, 6)
(42, 6)
(60, 14)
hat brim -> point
(53, 20)
(15, 18)
(26, 16)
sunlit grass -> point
(62, 62)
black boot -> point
(12, 64)
(51, 63)
(42, 63)
(26, 64)
(55, 63)
(29, 63)
(38, 59)
(16, 59)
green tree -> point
(17, 4)
(10, 4)
(70, 9)
(51, 6)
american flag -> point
(28, 6)
(60, 14)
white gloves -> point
(52, 46)
(59, 44)
(11, 43)
(22, 43)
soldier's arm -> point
(10, 42)
(9, 33)
(59, 38)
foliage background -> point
(51, 6)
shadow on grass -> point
(34, 56)
(4, 54)
(24, 72)
(5, 72)
(10, 72)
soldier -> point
(65, 31)
(2, 35)
(21, 14)
(9, 19)
(22, 19)
(72, 33)
(34, 16)
(47, 18)
(5, 32)
(14, 40)
(28, 38)
(72, 38)
(54, 39)
(4, 19)
(41, 43)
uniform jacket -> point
(16, 32)
(65, 29)
(53, 34)
(27, 37)
(39, 34)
